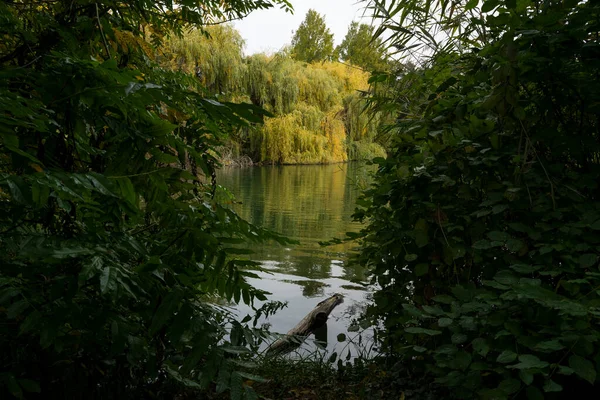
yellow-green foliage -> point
(213, 55)
(317, 107)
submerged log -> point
(314, 320)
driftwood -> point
(314, 320)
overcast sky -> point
(270, 30)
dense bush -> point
(113, 250)
(484, 223)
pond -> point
(308, 203)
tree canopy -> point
(313, 41)
(360, 48)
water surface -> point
(308, 203)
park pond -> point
(310, 204)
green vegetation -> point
(112, 247)
(362, 49)
(483, 222)
(312, 41)
(318, 109)
(482, 227)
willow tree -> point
(212, 54)
(311, 103)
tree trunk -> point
(315, 319)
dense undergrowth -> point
(113, 248)
(483, 222)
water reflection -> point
(310, 204)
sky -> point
(269, 30)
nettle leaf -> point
(480, 346)
(444, 299)
(549, 346)
(583, 368)
(417, 330)
(498, 236)
(410, 257)
(551, 386)
(587, 260)
(526, 376)
(528, 361)
(506, 357)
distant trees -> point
(313, 41)
(360, 49)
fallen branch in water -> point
(314, 320)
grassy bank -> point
(314, 378)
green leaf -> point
(582, 367)
(534, 393)
(458, 338)
(587, 260)
(551, 386)
(30, 386)
(106, 279)
(410, 257)
(528, 361)
(252, 377)
(444, 322)
(165, 311)
(17, 308)
(482, 244)
(506, 356)
(549, 346)
(509, 386)
(13, 386)
(471, 4)
(526, 376)
(498, 236)
(489, 5)
(127, 190)
(417, 330)
(480, 346)
(421, 269)
(444, 299)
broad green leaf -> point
(30, 386)
(506, 357)
(582, 367)
(528, 361)
(127, 190)
(417, 330)
(587, 260)
(410, 257)
(551, 386)
(526, 376)
(480, 346)
(165, 311)
(421, 269)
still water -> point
(308, 203)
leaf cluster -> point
(114, 253)
(483, 223)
